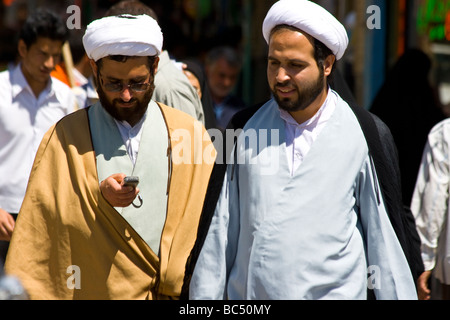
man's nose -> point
(282, 75)
(50, 63)
(125, 94)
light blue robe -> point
(314, 235)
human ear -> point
(155, 65)
(328, 64)
(94, 66)
(22, 48)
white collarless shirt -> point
(430, 202)
(24, 119)
(131, 136)
(300, 137)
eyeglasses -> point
(119, 87)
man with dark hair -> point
(79, 214)
(301, 213)
(44, 24)
(31, 101)
(223, 66)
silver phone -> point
(131, 181)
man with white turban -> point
(301, 214)
(171, 85)
(84, 233)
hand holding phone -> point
(132, 181)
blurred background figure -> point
(11, 288)
(84, 83)
(195, 72)
(430, 208)
(31, 101)
(409, 105)
(223, 66)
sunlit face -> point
(126, 104)
(293, 74)
(39, 59)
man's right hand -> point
(116, 193)
(6, 225)
(423, 291)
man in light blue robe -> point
(300, 214)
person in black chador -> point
(409, 106)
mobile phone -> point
(131, 181)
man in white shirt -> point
(431, 210)
(30, 103)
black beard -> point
(132, 115)
(306, 96)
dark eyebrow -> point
(136, 80)
(295, 61)
(139, 79)
(112, 79)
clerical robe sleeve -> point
(209, 279)
(389, 273)
(430, 197)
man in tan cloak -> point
(82, 233)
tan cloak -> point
(70, 243)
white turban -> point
(310, 18)
(123, 35)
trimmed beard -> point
(306, 95)
(129, 115)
